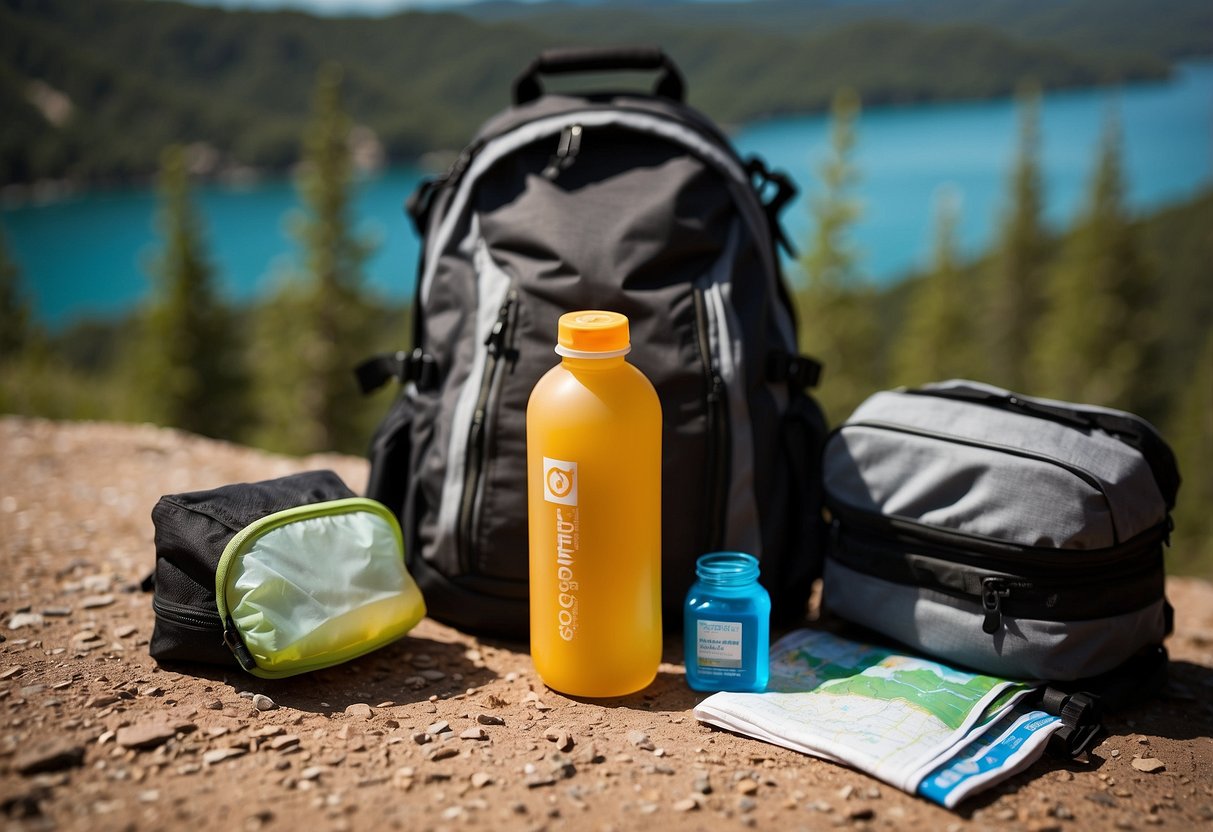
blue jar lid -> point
(727, 568)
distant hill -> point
(93, 90)
(1164, 28)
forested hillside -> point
(93, 90)
(1165, 28)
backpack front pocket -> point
(315, 586)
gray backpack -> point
(629, 202)
(1018, 536)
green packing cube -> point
(279, 577)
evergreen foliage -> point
(836, 306)
(14, 309)
(313, 331)
(1191, 435)
(187, 361)
(1098, 338)
(1016, 281)
(938, 333)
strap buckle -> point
(417, 366)
(797, 370)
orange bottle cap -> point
(593, 333)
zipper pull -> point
(495, 340)
(993, 590)
(236, 644)
(566, 152)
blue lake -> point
(86, 255)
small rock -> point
(54, 756)
(92, 602)
(311, 773)
(214, 705)
(284, 742)
(536, 779)
(641, 740)
(688, 804)
(489, 719)
(480, 779)
(422, 660)
(421, 738)
(748, 787)
(439, 727)
(361, 710)
(151, 690)
(143, 737)
(746, 804)
(126, 630)
(861, 813)
(563, 740)
(10, 672)
(24, 619)
(263, 703)
(266, 731)
(473, 733)
(432, 675)
(846, 791)
(218, 755)
(101, 700)
(1149, 765)
(1061, 812)
(443, 753)
(702, 784)
(57, 612)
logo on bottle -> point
(560, 481)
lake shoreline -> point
(84, 253)
(16, 195)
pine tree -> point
(1099, 335)
(14, 309)
(1017, 276)
(187, 355)
(1191, 432)
(836, 307)
(315, 330)
(937, 337)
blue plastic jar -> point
(726, 625)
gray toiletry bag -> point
(1017, 536)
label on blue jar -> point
(718, 644)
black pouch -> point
(278, 577)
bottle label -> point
(718, 643)
(559, 481)
(560, 487)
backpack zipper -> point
(566, 152)
(186, 616)
(717, 429)
(499, 343)
(997, 572)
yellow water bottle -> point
(593, 446)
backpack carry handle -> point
(568, 61)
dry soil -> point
(440, 730)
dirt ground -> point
(440, 730)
